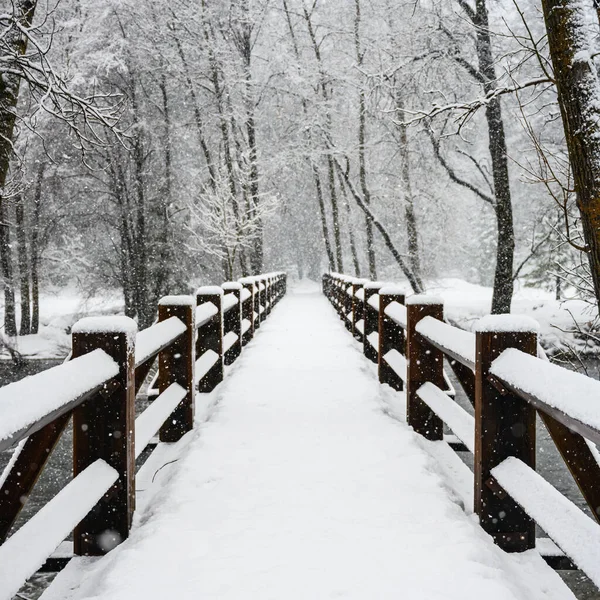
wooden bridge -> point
(295, 473)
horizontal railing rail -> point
(192, 340)
(504, 374)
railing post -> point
(103, 428)
(356, 306)
(233, 320)
(210, 337)
(248, 309)
(348, 302)
(257, 302)
(270, 294)
(424, 363)
(371, 321)
(391, 336)
(176, 365)
(263, 298)
(504, 426)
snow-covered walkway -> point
(300, 486)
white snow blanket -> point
(300, 486)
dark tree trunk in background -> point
(23, 261)
(362, 132)
(10, 83)
(351, 239)
(323, 214)
(10, 320)
(308, 139)
(337, 234)
(325, 95)
(578, 96)
(503, 277)
(409, 209)
(35, 249)
(198, 121)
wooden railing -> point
(507, 378)
(193, 339)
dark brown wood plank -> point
(27, 470)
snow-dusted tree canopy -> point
(149, 146)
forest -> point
(148, 146)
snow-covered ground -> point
(59, 310)
(465, 303)
(299, 484)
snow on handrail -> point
(245, 294)
(373, 339)
(456, 417)
(229, 339)
(204, 313)
(27, 405)
(27, 550)
(205, 363)
(229, 301)
(457, 343)
(576, 534)
(397, 362)
(373, 302)
(397, 313)
(152, 340)
(569, 397)
(152, 419)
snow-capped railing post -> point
(176, 365)
(248, 309)
(357, 284)
(272, 290)
(339, 306)
(347, 314)
(103, 428)
(391, 336)
(263, 298)
(256, 317)
(371, 320)
(233, 320)
(504, 426)
(210, 337)
(424, 363)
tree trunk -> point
(571, 50)
(415, 282)
(10, 83)
(503, 277)
(197, 115)
(353, 251)
(22, 253)
(362, 130)
(315, 170)
(35, 250)
(323, 214)
(328, 128)
(409, 209)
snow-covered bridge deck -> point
(298, 482)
